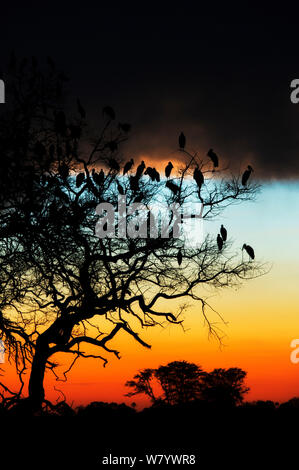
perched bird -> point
(182, 141)
(223, 232)
(168, 169)
(198, 177)
(98, 177)
(102, 175)
(246, 175)
(219, 242)
(150, 172)
(156, 175)
(79, 179)
(81, 110)
(120, 188)
(180, 257)
(249, 250)
(213, 157)
(109, 112)
(128, 166)
(140, 170)
(173, 187)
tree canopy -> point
(182, 382)
(63, 287)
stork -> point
(213, 157)
(223, 232)
(128, 166)
(219, 242)
(168, 169)
(246, 175)
(179, 257)
(182, 141)
(140, 170)
(198, 177)
(249, 250)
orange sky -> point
(262, 318)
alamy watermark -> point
(294, 356)
(2, 92)
(158, 220)
(2, 352)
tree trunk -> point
(36, 381)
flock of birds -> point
(222, 237)
(154, 175)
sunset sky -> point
(226, 84)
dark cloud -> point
(223, 81)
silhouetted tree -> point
(63, 287)
(224, 386)
(142, 384)
(178, 380)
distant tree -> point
(292, 404)
(178, 380)
(142, 384)
(224, 386)
(101, 410)
(62, 287)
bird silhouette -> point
(219, 242)
(246, 175)
(149, 172)
(81, 110)
(173, 187)
(109, 112)
(198, 177)
(223, 232)
(168, 169)
(98, 177)
(128, 166)
(79, 179)
(249, 250)
(180, 257)
(140, 170)
(156, 175)
(213, 157)
(152, 173)
(182, 141)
